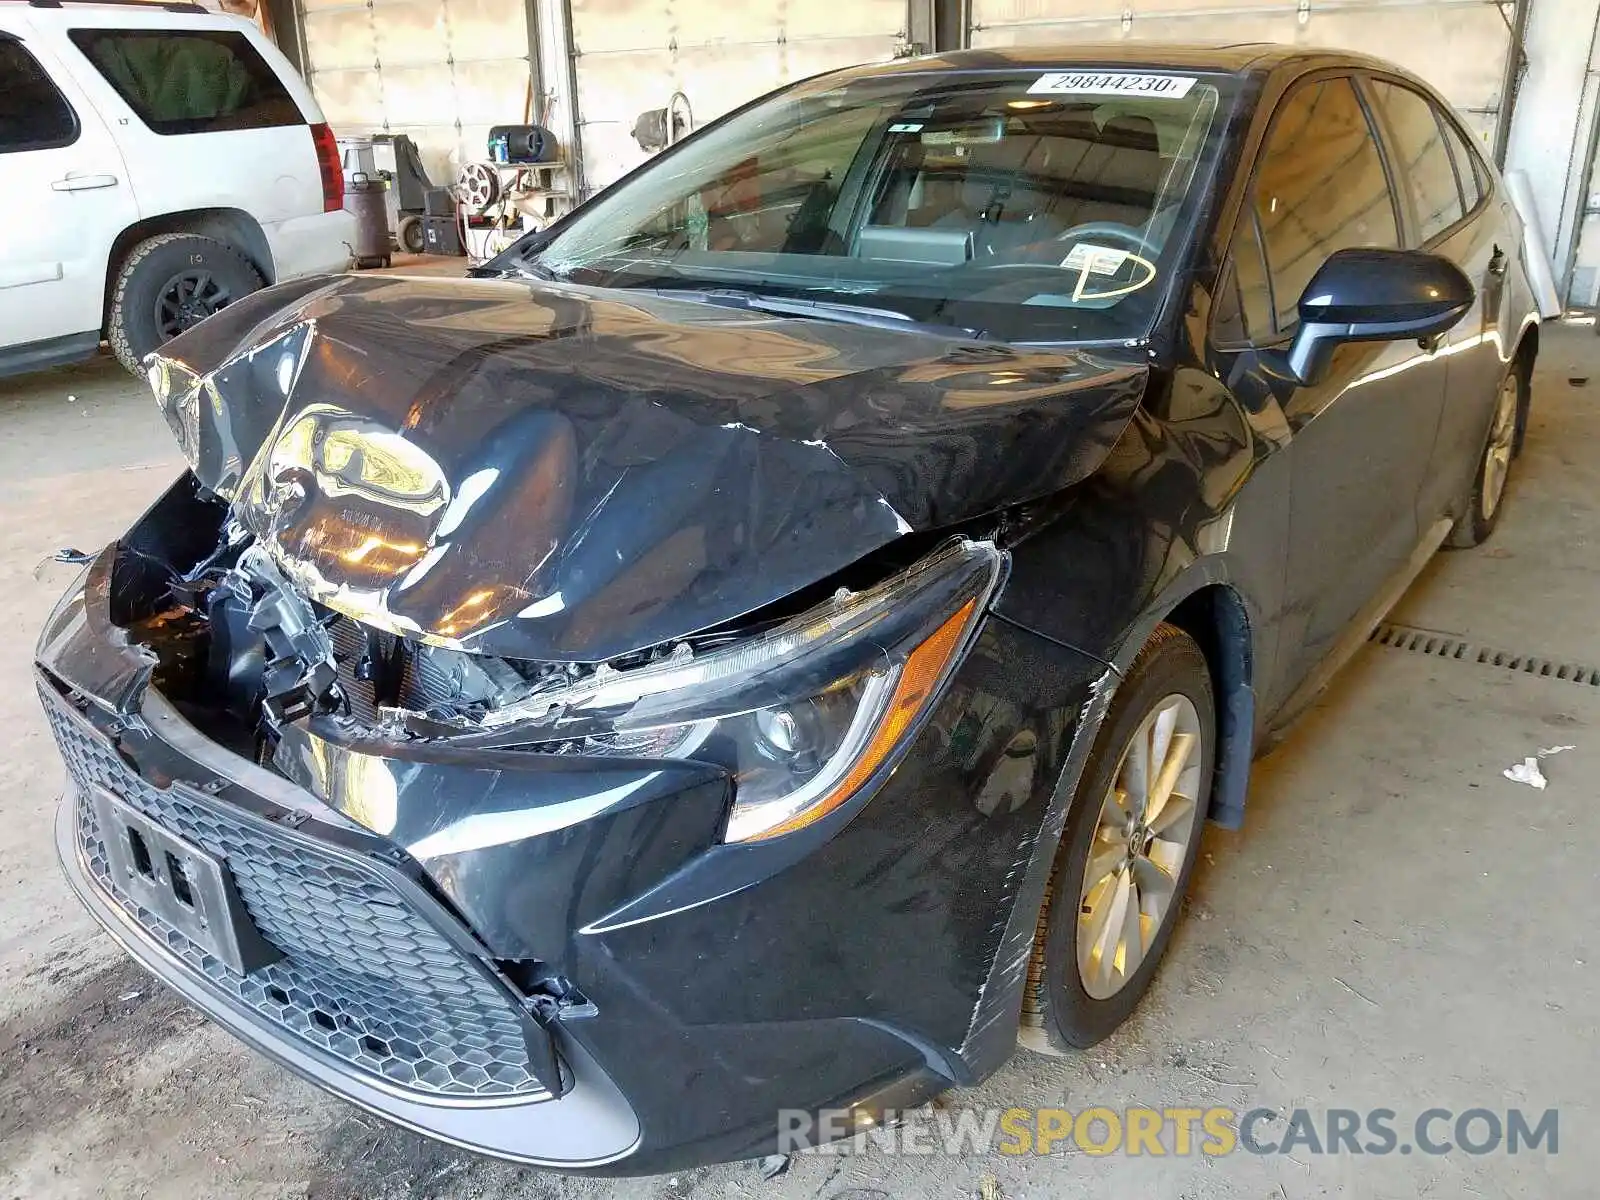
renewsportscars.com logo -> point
(1176, 1132)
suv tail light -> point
(330, 166)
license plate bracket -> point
(189, 888)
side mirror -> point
(1375, 296)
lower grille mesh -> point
(364, 977)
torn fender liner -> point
(553, 472)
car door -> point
(64, 201)
(1455, 215)
(1358, 439)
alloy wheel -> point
(1497, 457)
(1139, 845)
(187, 299)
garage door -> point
(1459, 46)
(631, 57)
(442, 71)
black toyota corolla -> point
(777, 634)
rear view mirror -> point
(1375, 296)
(975, 131)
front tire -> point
(168, 284)
(1131, 838)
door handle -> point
(83, 183)
(1498, 263)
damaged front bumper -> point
(554, 959)
(369, 986)
(283, 1013)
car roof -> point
(175, 6)
(1237, 58)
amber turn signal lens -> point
(921, 674)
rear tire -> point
(1486, 494)
(168, 284)
(1079, 989)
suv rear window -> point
(33, 114)
(198, 81)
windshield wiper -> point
(821, 310)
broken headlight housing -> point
(802, 715)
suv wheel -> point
(1128, 849)
(170, 283)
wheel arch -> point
(1212, 611)
(231, 225)
(1216, 617)
(1527, 347)
(1524, 356)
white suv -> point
(156, 163)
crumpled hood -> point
(561, 473)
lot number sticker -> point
(1110, 83)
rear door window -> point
(34, 115)
(1426, 172)
(1320, 187)
(196, 81)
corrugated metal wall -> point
(1459, 46)
(1554, 139)
(445, 70)
(631, 57)
(442, 71)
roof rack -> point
(176, 6)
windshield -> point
(1022, 205)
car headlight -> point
(802, 715)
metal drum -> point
(364, 198)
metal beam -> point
(919, 26)
(1511, 81)
(535, 67)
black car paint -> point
(707, 1016)
(656, 466)
(881, 955)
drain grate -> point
(1442, 645)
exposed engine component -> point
(440, 682)
(267, 640)
(245, 654)
(275, 657)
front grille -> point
(363, 977)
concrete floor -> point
(1397, 927)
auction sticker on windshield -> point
(1100, 260)
(1113, 83)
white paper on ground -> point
(1527, 771)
